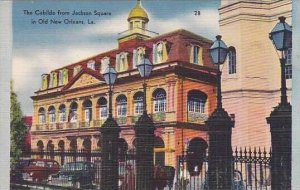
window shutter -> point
(60, 77)
(154, 54)
(192, 54)
(134, 59)
(126, 61)
(200, 56)
(118, 62)
(65, 76)
(44, 82)
(54, 80)
(165, 52)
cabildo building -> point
(72, 103)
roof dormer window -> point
(44, 81)
(121, 62)
(160, 53)
(196, 54)
(104, 64)
(77, 69)
(138, 55)
(53, 80)
(91, 64)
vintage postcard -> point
(144, 95)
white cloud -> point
(111, 26)
(205, 25)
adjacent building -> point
(72, 103)
(251, 75)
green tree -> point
(18, 129)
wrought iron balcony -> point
(85, 124)
(122, 120)
(40, 127)
(73, 125)
(195, 117)
(99, 123)
(135, 118)
(159, 116)
(61, 126)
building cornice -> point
(238, 11)
(201, 73)
(83, 132)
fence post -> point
(220, 160)
(280, 126)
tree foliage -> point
(18, 129)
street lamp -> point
(145, 68)
(110, 136)
(218, 53)
(144, 133)
(110, 76)
(281, 117)
(219, 123)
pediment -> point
(85, 80)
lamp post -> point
(281, 117)
(110, 135)
(144, 133)
(220, 166)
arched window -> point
(138, 103)
(232, 60)
(122, 105)
(102, 102)
(288, 64)
(62, 113)
(87, 109)
(196, 152)
(196, 101)
(42, 116)
(159, 153)
(40, 146)
(51, 113)
(159, 100)
(73, 112)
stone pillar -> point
(109, 160)
(144, 132)
(79, 111)
(220, 160)
(280, 126)
(94, 110)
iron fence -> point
(251, 170)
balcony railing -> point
(194, 117)
(61, 126)
(40, 127)
(129, 120)
(85, 124)
(159, 116)
(73, 125)
(99, 123)
(135, 118)
(122, 120)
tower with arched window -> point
(251, 75)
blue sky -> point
(40, 48)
